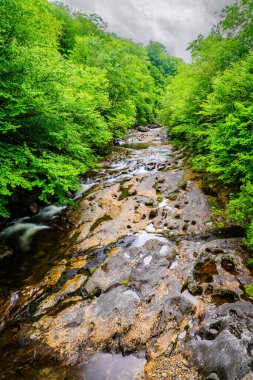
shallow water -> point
(144, 267)
(142, 237)
(105, 366)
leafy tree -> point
(75, 24)
(131, 87)
(51, 125)
(159, 58)
(208, 106)
(67, 87)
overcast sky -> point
(175, 23)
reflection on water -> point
(142, 237)
(103, 366)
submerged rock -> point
(143, 129)
(118, 142)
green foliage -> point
(208, 107)
(249, 290)
(163, 65)
(75, 24)
(250, 262)
(67, 87)
(131, 87)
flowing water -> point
(124, 286)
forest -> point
(208, 108)
(68, 88)
(126, 192)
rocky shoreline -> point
(143, 284)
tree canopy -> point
(67, 88)
(208, 107)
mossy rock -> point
(249, 290)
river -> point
(136, 282)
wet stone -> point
(226, 354)
(70, 286)
(140, 278)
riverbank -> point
(137, 282)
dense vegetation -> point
(67, 88)
(208, 107)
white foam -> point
(25, 239)
(164, 251)
(50, 211)
(140, 170)
(120, 178)
(27, 230)
(182, 335)
(121, 165)
(84, 188)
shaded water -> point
(35, 242)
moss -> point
(99, 221)
(217, 212)
(155, 187)
(124, 192)
(249, 290)
(219, 225)
(182, 185)
(124, 282)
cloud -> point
(175, 23)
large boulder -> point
(222, 348)
(154, 126)
(143, 129)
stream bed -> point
(134, 283)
